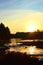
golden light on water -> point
(28, 50)
(32, 50)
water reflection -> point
(16, 45)
(27, 40)
(26, 49)
(32, 50)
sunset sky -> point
(19, 14)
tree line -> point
(6, 34)
(29, 35)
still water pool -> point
(16, 45)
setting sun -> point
(32, 28)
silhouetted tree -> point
(4, 37)
(4, 32)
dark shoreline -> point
(16, 58)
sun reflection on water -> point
(32, 50)
(26, 49)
